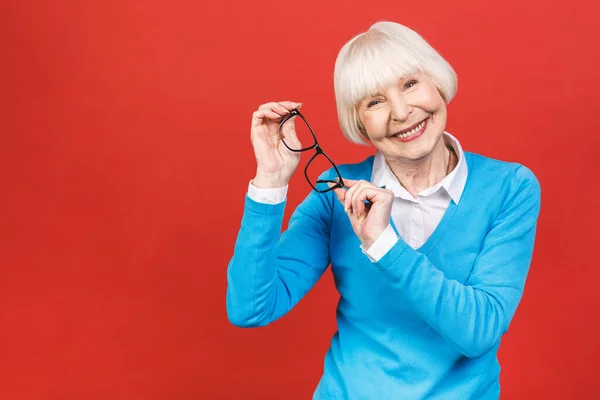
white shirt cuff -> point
(267, 196)
(382, 245)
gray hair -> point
(376, 59)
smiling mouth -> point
(410, 131)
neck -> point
(418, 175)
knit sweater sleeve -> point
(473, 316)
(271, 271)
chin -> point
(419, 155)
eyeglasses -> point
(319, 185)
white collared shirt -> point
(415, 217)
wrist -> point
(367, 242)
(269, 181)
(382, 245)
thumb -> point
(349, 182)
(289, 128)
(339, 192)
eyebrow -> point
(405, 78)
(399, 81)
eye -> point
(413, 81)
(372, 103)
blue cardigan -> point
(417, 324)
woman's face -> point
(413, 101)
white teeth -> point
(411, 132)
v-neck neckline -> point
(444, 223)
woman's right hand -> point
(275, 162)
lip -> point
(416, 135)
(410, 127)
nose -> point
(400, 109)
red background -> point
(126, 154)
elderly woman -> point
(429, 245)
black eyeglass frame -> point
(318, 150)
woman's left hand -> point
(368, 222)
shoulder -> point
(503, 178)
(486, 169)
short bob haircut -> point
(376, 59)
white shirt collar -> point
(453, 183)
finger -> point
(372, 194)
(289, 128)
(265, 113)
(365, 191)
(350, 195)
(339, 192)
(275, 107)
(350, 182)
(358, 202)
(286, 105)
(347, 199)
(290, 105)
(259, 116)
(355, 200)
(351, 216)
